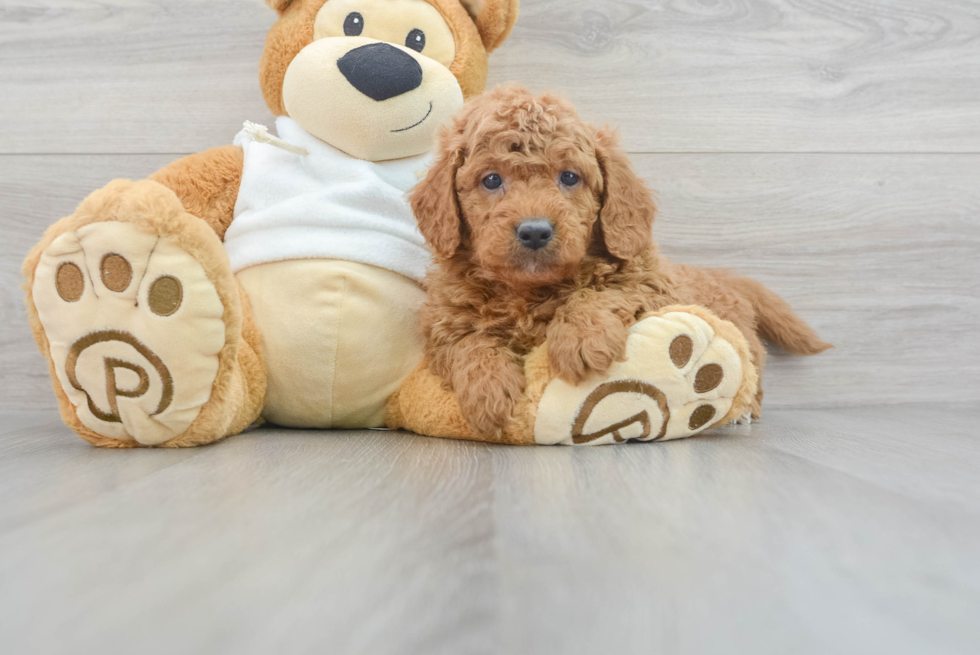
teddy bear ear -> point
(279, 5)
(494, 19)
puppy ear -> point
(435, 204)
(494, 19)
(279, 5)
(627, 210)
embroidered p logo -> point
(629, 396)
(111, 365)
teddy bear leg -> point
(148, 338)
(758, 351)
(685, 371)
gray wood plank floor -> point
(852, 531)
(141, 76)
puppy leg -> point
(588, 335)
(488, 380)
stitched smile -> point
(416, 124)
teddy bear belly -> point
(338, 337)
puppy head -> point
(524, 189)
(376, 78)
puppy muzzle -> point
(534, 233)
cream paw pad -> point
(684, 372)
(134, 328)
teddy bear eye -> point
(568, 178)
(415, 40)
(353, 24)
(492, 181)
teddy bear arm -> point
(207, 184)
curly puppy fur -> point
(491, 300)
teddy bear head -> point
(377, 78)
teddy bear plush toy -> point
(279, 278)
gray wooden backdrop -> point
(830, 148)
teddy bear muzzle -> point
(380, 71)
(342, 89)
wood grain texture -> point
(881, 254)
(141, 76)
(855, 532)
(132, 76)
(878, 252)
(761, 75)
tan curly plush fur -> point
(491, 301)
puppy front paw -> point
(488, 392)
(577, 351)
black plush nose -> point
(535, 233)
(380, 70)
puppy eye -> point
(353, 24)
(415, 40)
(492, 181)
(568, 178)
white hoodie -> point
(324, 204)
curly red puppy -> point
(541, 230)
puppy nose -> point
(535, 233)
(380, 70)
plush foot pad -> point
(683, 373)
(134, 328)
